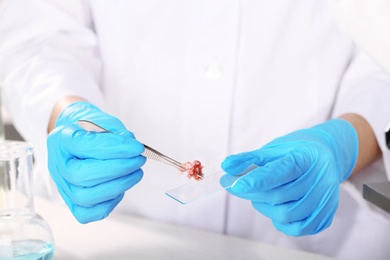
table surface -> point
(127, 237)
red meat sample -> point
(194, 170)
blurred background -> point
(10, 132)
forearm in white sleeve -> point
(368, 24)
(365, 90)
(47, 50)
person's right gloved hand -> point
(92, 171)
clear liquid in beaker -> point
(32, 249)
(23, 233)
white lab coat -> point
(368, 23)
(201, 80)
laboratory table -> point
(123, 236)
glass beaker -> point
(23, 233)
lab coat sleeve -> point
(47, 50)
(368, 24)
(365, 90)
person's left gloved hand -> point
(298, 179)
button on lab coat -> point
(201, 80)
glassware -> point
(23, 234)
(210, 184)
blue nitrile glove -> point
(298, 179)
(93, 170)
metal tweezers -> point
(149, 152)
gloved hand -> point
(92, 171)
(298, 179)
